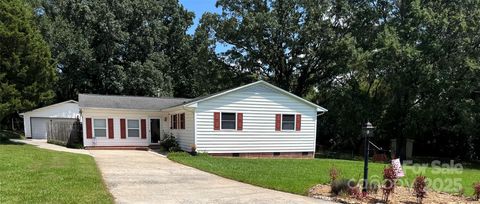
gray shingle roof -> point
(128, 102)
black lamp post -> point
(367, 133)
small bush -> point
(193, 149)
(334, 174)
(372, 187)
(6, 135)
(419, 188)
(390, 181)
(476, 190)
(355, 192)
(169, 142)
(342, 186)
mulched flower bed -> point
(401, 195)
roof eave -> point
(56, 104)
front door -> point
(155, 130)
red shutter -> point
(110, 128)
(298, 122)
(89, 127)
(171, 122)
(239, 121)
(278, 118)
(144, 128)
(123, 133)
(216, 121)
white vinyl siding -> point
(185, 137)
(117, 115)
(259, 105)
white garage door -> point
(39, 127)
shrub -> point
(355, 192)
(334, 174)
(169, 142)
(372, 187)
(342, 186)
(476, 190)
(419, 188)
(390, 181)
(193, 149)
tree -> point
(419, 75)
(115, 47)
(290, 43)
(26, 68)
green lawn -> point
(298, 175)
(32, 175)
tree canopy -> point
(26, 67)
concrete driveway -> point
(146, 177)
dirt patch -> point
(401, 195)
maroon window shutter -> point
(144, 128)
(110, 128)
(298, 122)
(239, 121)
(182, 121)
(278, 118)
(216, 121)
(123, 132)
(171, 121)
(89, 128)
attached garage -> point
(36, 121)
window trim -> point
(127, 128)
(294, 122)
(235, 121)
(93, 127)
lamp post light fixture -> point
(367, 133)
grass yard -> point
(32, 175)
(299, 175)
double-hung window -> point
(133, 128)
(288, 122)
(228, 121)
(100, 127)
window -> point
(175, 121)
(182, 121)
(133, 128)
(288, 122)
(100, 127)
(228, 121)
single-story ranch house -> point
(257, 119)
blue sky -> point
(199, 7)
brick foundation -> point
(305, 155)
